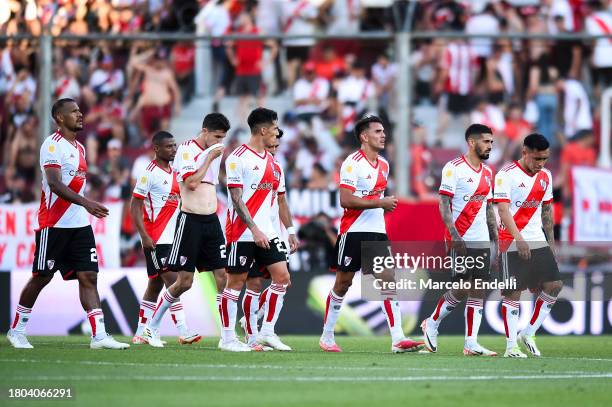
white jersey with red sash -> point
(160, 192)
(470, 190)
(69, 158)
(255, 174)
(525, 193)
(368, 181)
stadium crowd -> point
(130, 89)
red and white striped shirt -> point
(460, 63)
(470, 190)
(69, 158)
(160, 192)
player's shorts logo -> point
(183, 260)
(50, 264)
(163, 261)
(347, 260)
(243, 260)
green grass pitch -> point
(574, 371)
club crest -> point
(243, 260)
(347, 260)
(50, 264)
(183, 260)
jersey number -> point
(94, 255)
(222, 251)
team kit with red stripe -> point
(159, 190)
(64, 238)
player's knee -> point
(185, 281)
(88, 279)
(155, 284)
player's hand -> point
(459, 245)
(96, 209)
(147, 242)
(524, 251)
(389, 203)
(260, 239)
(217, 152)
(294, 243)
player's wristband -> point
(291, 230)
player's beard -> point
(483, 155)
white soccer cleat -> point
(475, 349)
(188, 339)
(19, 340)
(430, 335)
(514, 353)
(273, 341)
(108, 342)
(235, 346)
(529, 343)
(151, 336)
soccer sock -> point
(22, 315)
(178, 317)
(273, 307)
(446, 304)
(229, 309)
(250, 303)
(392, 311)
(96, 319)
(473, 316)
(147, 308)
(510, 315)
(332, 312)
(164, 303)
(543, 305)
(262, 301)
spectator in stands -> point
(542, 77)
(116, 173)
(18, 190)
(246, 56)
(299, 18)
(104, 79)
(424, 61)
(319, 178)
(600, 22)
(483, 23)
(576, 107)
(310, 93)
(341, 16)
(105, 122)
(330, 65)
(384, 76)
(579, 150)
(183, 64)
(566, 56)
(66, 84)
(354, 95)
(160, 92)
(488, 114)
(308, 156)
(23, 151)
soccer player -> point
(253, 299)
(523, 193)
(64, 238)
(154, 209)
(250, 233)
(363, 180)
(198, 238)
(466, 206)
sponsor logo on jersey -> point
(266, 186)
(474, 198)
(532, 203)
(171, 198)
(78, 174)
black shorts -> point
(540, 268)
(348, 253)
(157, 259)
(243, 256)
(262, 271)
(248, 85)
(298, 52)
(198, 243)
(67, 250)
(459, 104)
(475, 264)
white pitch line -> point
(326, 379)
(275, 367)
(581, 359)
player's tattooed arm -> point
(54, 180)
(259, 237)
(447, 216)
(492, 223)
(548, 223)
